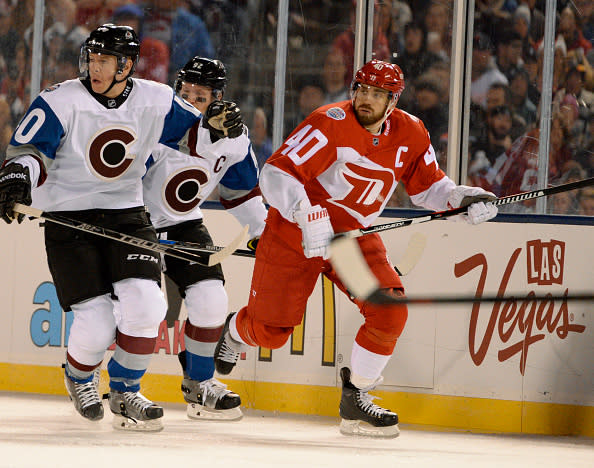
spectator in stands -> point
(571, 31)
(520, 102)
(415, 58)
(332, 75)
(92, 13)
(184, 33)
(345, 42)
(567, 202)
(61, 41)
(484, 71)
(5, 127)
(15, 84)
(586, 202)
(494, 142)
(516, 170)
(585, 153)
(261, 142)
(509, 52)
(438, 25)
(499, 95)
(537, 20)
(310, 97)
(401, 15)
(492, 14)
(427, 106)
(153, 63)
(521, 24)
(531, 66)
(586, 19)
(558, 65)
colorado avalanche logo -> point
(336, 113)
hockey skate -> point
(85, 396)
(133, 412)
(209, 399)
(359, 415)
(227, 350)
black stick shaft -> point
(519, 197)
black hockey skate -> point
(227, 350)
(359, 415)
(85, 396)
(132, 411)
(209, 399)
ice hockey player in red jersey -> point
(334, 173)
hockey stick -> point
(213, 257)
(190, 246)
(519, 197)
(411, 257)
(578, 297)
(351, 267)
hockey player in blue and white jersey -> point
(175, 186)
(84, 143)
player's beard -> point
(369, 119)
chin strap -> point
(113, 83)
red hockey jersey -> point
(335, 162)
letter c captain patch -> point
(336, 113)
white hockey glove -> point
(316, 228)
(477, 200)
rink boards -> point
(520, 366)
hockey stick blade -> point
(519, 197)
(414, 251)
(136, 241)
(346, 258)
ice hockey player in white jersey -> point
(84, 144)
(220, 156)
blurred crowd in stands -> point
(506, 74)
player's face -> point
(102, 69)
(370, 105)
(199, 96)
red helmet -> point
(381, 75)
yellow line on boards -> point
(428, 410)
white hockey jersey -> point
(176, 184)
(93, 156)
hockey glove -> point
(252, 244)
(316, 229)
(15, 187)
(223, 119)
(477, 200)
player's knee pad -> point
(271, 337)
(93, 329)
(142, 307)
(383, 326)
(207, 303)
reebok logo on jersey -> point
(13, 175)
(144, 257)
(336, 113)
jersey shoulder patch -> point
(336, 113)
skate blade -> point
(361, 428)
(123, 423)
(197, 411)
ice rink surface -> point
(45, 431)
